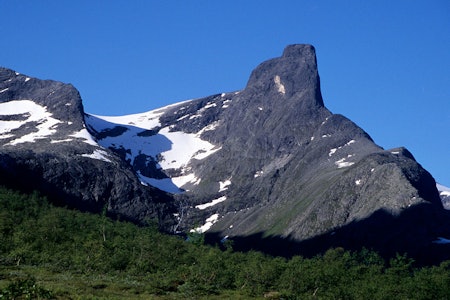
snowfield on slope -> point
(26, 111)
(173, 150)
(17, 113)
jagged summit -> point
(270, 160)
(304, 51)
(292, 76)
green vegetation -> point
(48, 252)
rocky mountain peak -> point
(63, 100)
(5, 74)
(293, 76)
(300, 50)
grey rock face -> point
(296, 169)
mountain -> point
(45, 146)
(268, 164)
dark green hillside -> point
(49, 252)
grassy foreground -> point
(48, 252)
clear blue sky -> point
(383, 64)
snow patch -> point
(195, 116)
(326, 119)
(4, 90)
(34, 113)
(183, 117)
(258, 173)
(332, 151)
(225, 104)
(185, 179)
(170, 185)
(342, 163)
(202, 110)
(223, 186)
(98, 154)
(164, 184)
(358, 182)
(26, 79)
(148, 120)
(209, 105)
(86, 136)
(60, 141)
(184, 147)
(212, 203)
(209, 223)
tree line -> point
(129, 261)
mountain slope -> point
(272, 156)
(45, 146)
(269, 161)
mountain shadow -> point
(87, 185)
(408, 233)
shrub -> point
(25, 289)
